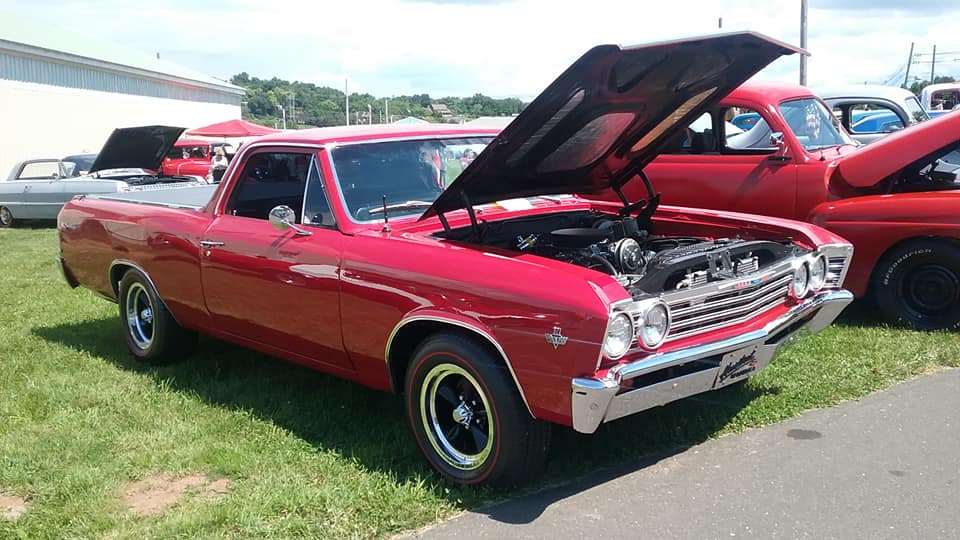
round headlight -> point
(656, 324)
(619, 336)
(818, 273)
(801, 281)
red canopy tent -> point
(231, 128)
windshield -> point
(411, 174)
(77, 165)
(813, 124)
(916, 112)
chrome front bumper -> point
(596, 400)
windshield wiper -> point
(408, 205)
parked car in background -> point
(130, 159)
(499, 304)
(192, 157)
(940, 98)
(869, 112)
(895, 199)
(47, 168)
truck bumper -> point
(667, 377)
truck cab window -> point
(316, 210)
(269, 179)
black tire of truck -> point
(467, 416)
(918, 285)
(151, 333)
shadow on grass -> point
(370, 426)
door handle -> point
(210, 243)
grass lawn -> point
(294, 452)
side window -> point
(873, 118)
(43, 170)
(270, 179)
(316, 209)
(697, 138)
(746, 131)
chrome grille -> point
(835, 266)
(720, 307)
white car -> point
(130, 160)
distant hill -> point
(269, 101)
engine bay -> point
(627, 249)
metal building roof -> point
(26, 36)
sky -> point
(498, 47)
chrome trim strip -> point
(591, 398)
(454, 322)
(126, 262)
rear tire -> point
(6, 217)
(467, 415)
(918, 285)
(151, 333)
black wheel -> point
(151, 333)
(6, 217)
(467, 416)
(918, 284)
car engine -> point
(625, 249)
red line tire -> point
(467, 415)
(151, 333)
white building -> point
(63, 93)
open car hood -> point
(607, 116)
(869, 164)
(140, 147)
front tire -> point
(918, 285)
(151, 333)
(6, 217)
(467, 416)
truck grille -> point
(715, 309)
(835, 266)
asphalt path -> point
(885, 466)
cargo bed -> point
(191, 198)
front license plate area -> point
(737, 365)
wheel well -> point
(412, 334)
(905, 242)
(116, 274)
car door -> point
(279, 288)
(716, 165)
(31, 194)
(868, 119)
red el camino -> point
(491, 299)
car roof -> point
(892, 93)
(769, 91)
(330, 135)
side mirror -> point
(776, 141)
(282, 217)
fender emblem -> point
(556, 338)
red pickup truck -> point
(508, 305)
(896, 200)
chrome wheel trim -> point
(450, 427)
(139, 311)
(6, 218)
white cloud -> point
(498, 48)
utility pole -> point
(386, 111)
(906, 76)
(346, 95)
(369, 113)
(720, 22)
(803, 42)
(933, 63)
